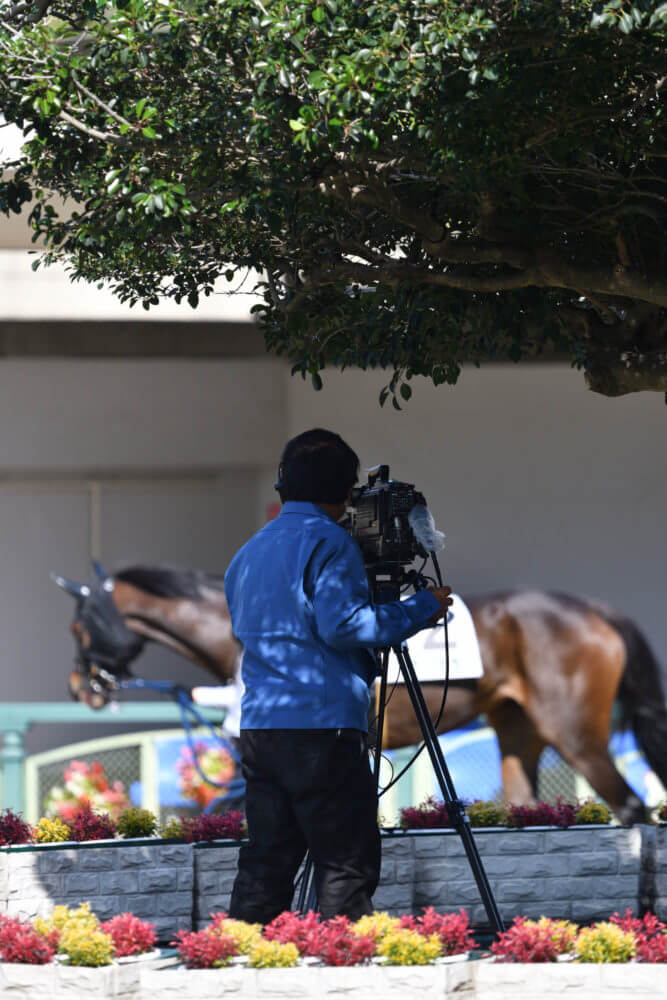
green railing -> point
(17, 717)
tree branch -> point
(629, 373)
(18, 11)
(543, 267)
(116, 140)
(100, 103)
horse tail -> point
(642, 697)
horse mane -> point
(169, 582)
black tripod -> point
(455, 808)
(306, 899)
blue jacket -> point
(301, 607)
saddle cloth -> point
(427, 649)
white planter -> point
(477, 980)
(43, 982)
(145, 956)
(551, 981)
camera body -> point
(379, 521)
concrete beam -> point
(129, 339)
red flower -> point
(214, 826)
(542, 814)
(652, 949)
(430, 815)
(453, 929)
(336, 944)
(130, 935)
(297, 928)
(19, 942)
(201, 950)
(525, 943)
(88, 825)
(14, 829)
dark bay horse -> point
(554, 665)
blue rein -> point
(191, 715)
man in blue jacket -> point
(301, 607)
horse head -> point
(105, 645)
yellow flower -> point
(406, 947)
(562, 932)
(51, 831)
(245, 935)
(272, 955)
(63, 919)
(85, 947)
(605, 942)
(376, 925)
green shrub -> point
(272, 955)
(136, 823)
(172, 828)
(605, 942)
(486, 813)
(591, 812)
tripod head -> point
(390, 582)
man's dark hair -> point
(318, 467)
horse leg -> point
(597, 766)
(571, 662)
(520, 750)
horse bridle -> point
(112, 646)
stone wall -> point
(579, 874)
(654, 870)
(215, 870)
(583, 874)
(154, 880)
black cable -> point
(445, 689)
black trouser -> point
(307, 789)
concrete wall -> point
(535, 480)
(579, 874)
(130, 461)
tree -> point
(421, 183)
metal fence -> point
(146, 763)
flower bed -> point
(432, 814)
(378, 955)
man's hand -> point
(441, 595)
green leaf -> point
(319, 15)
(296, 125)
(317, 381)
(317, 79)
(406, 390)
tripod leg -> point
(455, 807)
(307, 897)
(379, 725)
